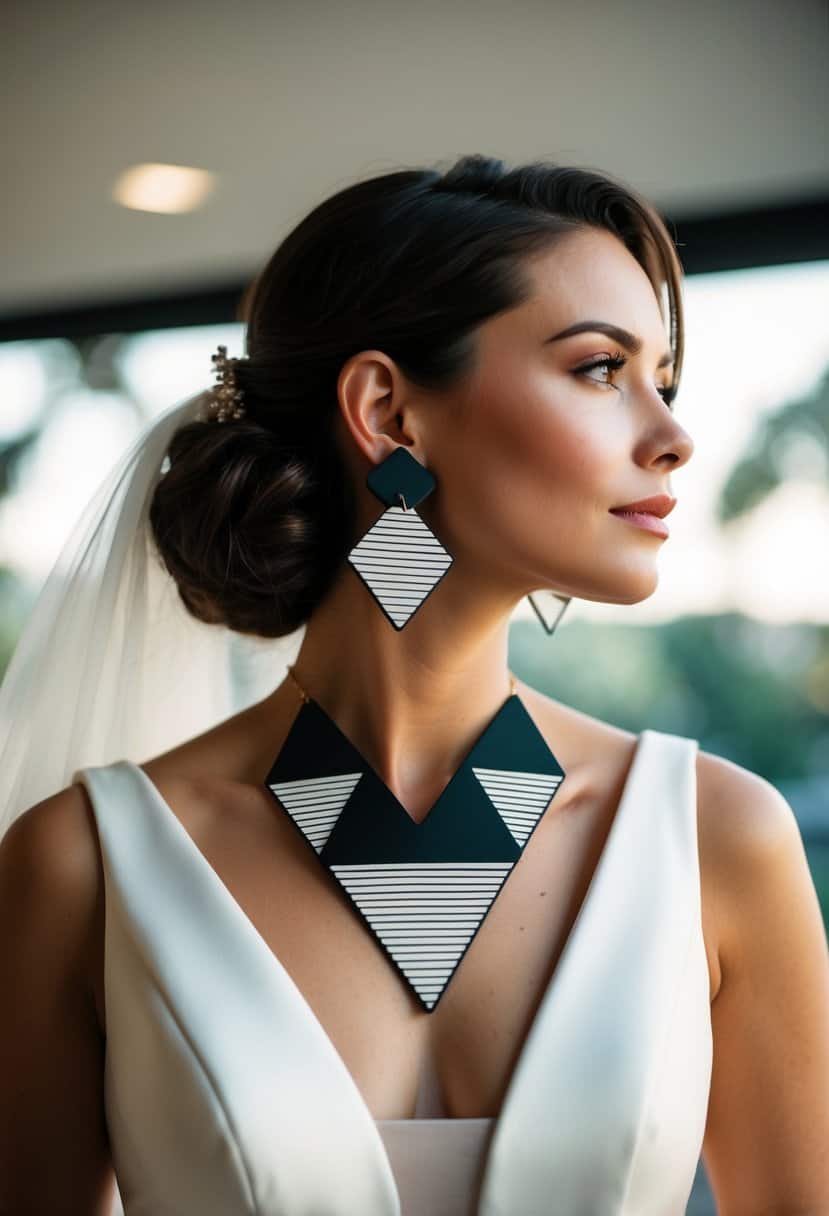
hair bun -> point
(243, 524)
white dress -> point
(224, 1095)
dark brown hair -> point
(254, 517)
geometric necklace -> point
(422, 889)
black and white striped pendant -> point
(423, 889)
(399, 558)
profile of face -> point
(535, 447)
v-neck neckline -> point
(587, 906)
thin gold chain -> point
(306, 697)
(302, 691)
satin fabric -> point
(224, 1094)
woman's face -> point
(534, 451)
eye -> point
(613, 363)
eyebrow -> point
(622, 336)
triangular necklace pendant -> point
(422, 889)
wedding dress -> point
(225, 1095)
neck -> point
(412, 701)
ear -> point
(375, 406)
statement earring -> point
(549, 607)
(399, 558)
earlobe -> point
(369, 399)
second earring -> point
(399, 558)
(549, 607)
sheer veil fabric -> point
(110, 665)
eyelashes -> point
(617, 361)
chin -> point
(639, 594)
(627, 592)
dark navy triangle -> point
(315, 747)
(462, 825)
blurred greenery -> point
(754, 692)
(790, 442)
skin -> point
(529, 457)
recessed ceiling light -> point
(164, 188)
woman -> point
(457, 389)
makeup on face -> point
(640, 519)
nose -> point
(667, 442)
(677, 438)
(683, 445)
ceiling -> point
(706, 107)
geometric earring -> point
(549, 607)
(399, 558)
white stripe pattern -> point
(401, 559)
(520, 798)
(315, 803)
(424, 913)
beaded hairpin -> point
(225, 400)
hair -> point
(254, 517)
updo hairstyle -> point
(253, 518)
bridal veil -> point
(110, 665)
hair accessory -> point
(225, 400)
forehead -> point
(591, 273)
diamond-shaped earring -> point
(549, 607)
(399, 558)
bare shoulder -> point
(52, 890)
(50, 858)
(749, 837)
(768, 1117)
(49, 894)
(745, 814)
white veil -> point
(110, 665)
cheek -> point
(543, 451)
(524, 460)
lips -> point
(659, 505)
(650, 523)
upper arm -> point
(766, 1145)
(54, 1152)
